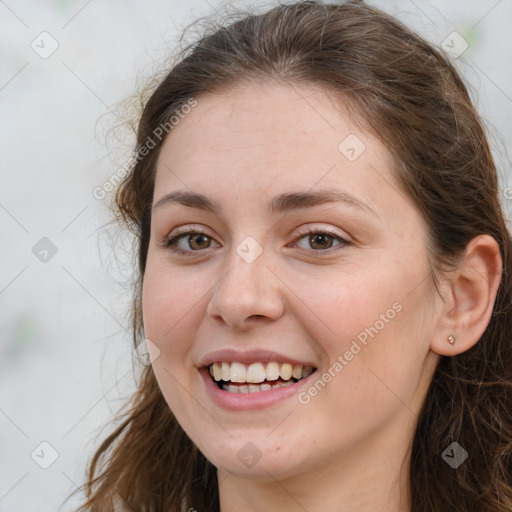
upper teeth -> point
(257, 372)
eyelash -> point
(169, 242)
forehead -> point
(271, 139)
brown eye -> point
(321, 240)
(194, 241)
(200, 239)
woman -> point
(324, 279)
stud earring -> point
(451, 339)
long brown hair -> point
(412, 98)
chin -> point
(256, 458)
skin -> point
(348, 448)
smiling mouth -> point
(237, 377)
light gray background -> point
(65, 353)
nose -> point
(247, 293)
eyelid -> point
(186, 229)
(303, 231)
(308, 228)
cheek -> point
(170, 305)
(169, 312)
(346, 304)
(371, 328)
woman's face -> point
(255, 293)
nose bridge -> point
(247, 288)
(245, 276)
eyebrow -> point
(279, 204)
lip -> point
(254, 400)
(248, 357)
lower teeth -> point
(254, 388)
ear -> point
(470, 299)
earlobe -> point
(472, 294)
